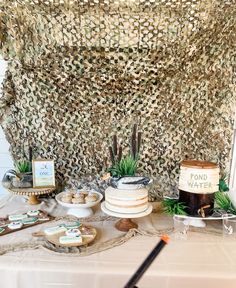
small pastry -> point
(17, 217)
(33, 213)
(84, 193)
(73, 232)
(30, 220)
(54, 230)
(74, 225)
(91, 198)
(15, 225)
(66, 199)
(93, 194)
(78, 200)
(71, 192)
(43, 217)
(70, 240)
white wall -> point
(5, 158)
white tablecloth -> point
(203, 260)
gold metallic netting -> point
(80, 71)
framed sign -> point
(43, 173)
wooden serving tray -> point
(5, 221)
(54, 239)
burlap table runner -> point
(108, 237)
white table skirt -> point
(202, 261)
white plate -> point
(127, 215)
(71, 205)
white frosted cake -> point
(126, 201)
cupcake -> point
(91, 198)
(78, 200)
(84, 193)
(66, 199)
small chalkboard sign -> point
(43, 173)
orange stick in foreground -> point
(147, 262)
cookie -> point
(54, 230)
(17, 217)
(66, 199)
(73, 232)
(70, 240)
(78, 200)
(30, 220)
(73, 225)
(15, 225)
(84, 193)
(91, 198)
(33, 213)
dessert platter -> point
(79, 202)
(127, 199)
(16, 222)
(69, 234)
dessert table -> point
(205, 259)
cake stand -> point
(125, 223)
(79, 210)
(32, 193)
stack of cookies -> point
(82, 197)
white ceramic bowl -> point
(79, 210)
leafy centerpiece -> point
(127, 165)
(124, 168)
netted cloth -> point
(80, 71)
(99, 246)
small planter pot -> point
(23, 180)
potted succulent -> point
(21, 176)
(126, 167)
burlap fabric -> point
(80, 71)
(154, 225)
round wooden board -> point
(32, 191)
(54, 239)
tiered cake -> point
(198, 182)
(126, 198)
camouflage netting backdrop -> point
(81, 70)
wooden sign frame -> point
(51, 184)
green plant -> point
(223, 202)
(23, 166)
(125, 167)
(173, 206)
(223, 187)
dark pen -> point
(147, 262)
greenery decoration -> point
(223, 202)
(223, 186)
(23, 166)
(173, 206)
(125, 166)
